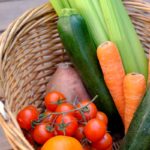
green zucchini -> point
(138, 135)
(82, 51)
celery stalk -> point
(136, 46)
(121, 31)
(57, 5)
(95, 25)
(98, 10)
(65, 3)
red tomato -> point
(86, 147)
(102, 116)
(48, 119)
(65, 107)
(38, 148)
(53, 99)
(41, 133)
(79, 134)
(110, 147)
(29, 137)
(66, 125)
(26, 116)
(94, 130)
(92, 148)
(89, 112)
(104, 143)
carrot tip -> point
(105, 44)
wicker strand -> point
(30, 50)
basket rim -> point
(16, 25)
(8, 38)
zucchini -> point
(138, 135)
(82, 51)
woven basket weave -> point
(30, 49)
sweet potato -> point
(67, 81)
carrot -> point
(134, 86)
(113, 71)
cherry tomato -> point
(66, 125)
(48, 118)
(110, 147)
(65, 107)
(38, 148)
(102, 116)
(79, 134)
(29, 137)
(89, 112)
(53, 99)
(86, 147)
(94, 130)
(42, 133)
(26, 116)
(104, 143)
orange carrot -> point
(113, 71)
(134, 86)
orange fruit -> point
(62, 143)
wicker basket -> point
(30, 49)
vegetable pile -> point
(108, 20)
(104, 27)
(109, 64)
(82, 52)
(82, 121)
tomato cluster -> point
(82, 121)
